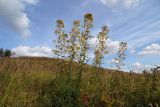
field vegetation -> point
(35, 82)
(70, 81)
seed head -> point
(88, 17)
(60, 23)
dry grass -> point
(23, 80)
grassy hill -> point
(42, 82)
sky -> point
(27, 26)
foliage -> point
(1, 52)
(7, 53)
(59, 94)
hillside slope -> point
(43, 82)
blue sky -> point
(27, 26)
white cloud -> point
(132, 51)
(31, 1)
(113, 61)
(33, 51)
(93, 42)
(13, 12)
(153, 49)
(112, 46)
(121, 3)
(138, 67)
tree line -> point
(5, 53)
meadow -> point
(35, 82)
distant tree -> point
(7, 53)
(1, 52)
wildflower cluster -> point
(101, 48)
(73, 46)
(121, 55)
(85, 35)
(61, 42)
(88, 20)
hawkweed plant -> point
(61, 42)
(73, 46)
(83, 44)
(100, 52)
(121, 55)
(101, 48)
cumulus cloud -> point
(138, 67)
(93, 42)
(31, 1)
(33, 51)
(113, 61)
(121, 3)
(153, 49)
(132, 51)
(13, 11)
(112, 46)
